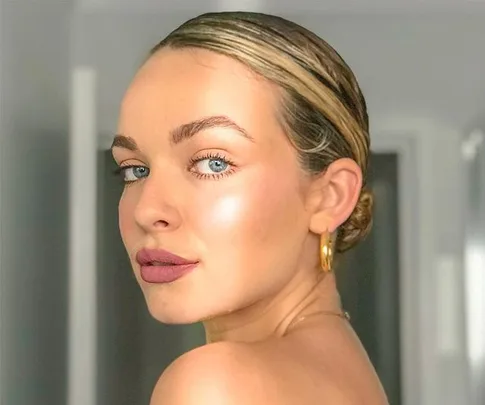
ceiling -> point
(286, 6)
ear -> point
(333, 195)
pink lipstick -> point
(161, 266)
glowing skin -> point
(232, 196)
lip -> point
(162, 266)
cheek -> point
(126, 219)
(257, 211)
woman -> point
(243, 142)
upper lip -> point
(147, 257)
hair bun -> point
(359, 224)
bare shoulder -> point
(279, 372)
(218, 373)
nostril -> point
(161, 224)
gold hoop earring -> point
(326, 252)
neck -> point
(303, 296)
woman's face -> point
(216, 181)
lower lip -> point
(165, 274)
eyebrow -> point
(186, 131)
(125, 142)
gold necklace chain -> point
(344, 315)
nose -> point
(156, 209)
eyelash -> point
(192, 162)
(119, 172)
(212, 176)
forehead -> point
(175, 86)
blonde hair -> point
(323, 110)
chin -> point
(171, 317)
(171, 311)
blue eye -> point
(211, 165)
(133, 173)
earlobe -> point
(319, 223)
(334, 195)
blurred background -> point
(74, 327)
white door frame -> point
(82, 289)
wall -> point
(33, 200)
(287, 6)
